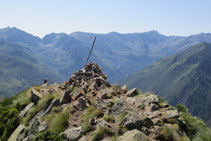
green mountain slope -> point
(182, 78)
(87, 107)
(19, 69)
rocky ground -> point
(87, 107)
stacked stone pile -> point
(90, 72)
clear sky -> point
(169, 17)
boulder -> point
(133, 135)
(119, 107)
(132, 121)
(92, 121)
(105, 94)
(132, 92)
(26, 109)
(35, 96)
(78, 93)
(116, 88)
(135, 121)
(82, 104)
(65, 97)
(73, 134)
(124, 88)
(43, 126)
(102, 123)
(171, 114)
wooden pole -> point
(90, 51)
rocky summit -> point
(87, 107)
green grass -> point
(121, 117)
(109, 118)
(57, 119)
(90, 112)
(59, 122)
(100, 133)
(48, 136)
(120, 129)
(42, 103)
(196, 129)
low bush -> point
(48, 136)
(9, 121)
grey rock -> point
(78, 93)
(26, 109)
(133, 135)
(92, 121)
(102, 123)
(65, 97)
(43, 126)
(132, 121)
(35, 96)
(135, 121)
(171, 114)
(132, 92)
(82, 104)
(54, 102)
(73, 134)
(116, 88)
(124, 88)
(119, 107)
(34, 129)
(105, 94)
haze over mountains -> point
(182, 78)
(61, 54)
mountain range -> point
(182, 78)
(61, 54)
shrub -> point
(181, 108)
(48, 135)
(101, 133)
(9, 121)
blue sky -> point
(169, 17)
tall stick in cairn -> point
(90, 51)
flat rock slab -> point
(171, 114)
(17, 131)
(26, 109)
(132, 92)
